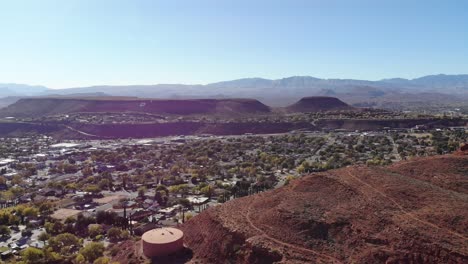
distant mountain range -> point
(433, 88)
(13, 89)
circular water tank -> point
(162, 242)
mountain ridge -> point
(283, 91)
(448, 78)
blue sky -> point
(71, 43)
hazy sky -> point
(69, 43)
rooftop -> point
(65, 145)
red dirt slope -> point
(411, 212)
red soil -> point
(463, 149)
(410, 212)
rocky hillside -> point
(410, 212)
(45, 106)
(318, 104)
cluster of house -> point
(143, 213)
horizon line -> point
(230, 80)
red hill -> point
(410, 212)
(318, 104)
(53, 106)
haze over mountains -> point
(433, 88)
(13, 89)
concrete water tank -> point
(162, 241)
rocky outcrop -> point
(410, 212)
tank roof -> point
(163, 235)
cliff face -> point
(318, 104)
(411, 212)
(34, 107)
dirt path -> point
(403, 210)
(81, 132)
(326, 258)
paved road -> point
(395, 149)
(81, 132)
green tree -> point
(289, 178)
(207, 191)
(181, 188)
(65, 244)
(114, 234)
(94, 230)
(162, 187)
(104, 184)
(43, 236)
(87, 171)
(304, 167)
(185, 203)
(46, 208)
(80, 259)
(141, 191)
(92, 251)
(71, 186)
(33, 256)
(53, 228)
(125, 235)
(4, 230)
(13, 219)
(30, 212)
(188, 216)
(102, 260)
(94, 189)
